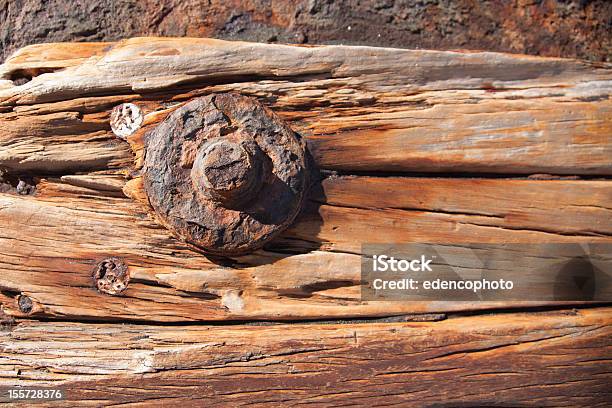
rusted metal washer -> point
(225, 173)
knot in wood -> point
(224, 173)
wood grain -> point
(381, 124)
(312, 271)
(361, 109)
(520, 359)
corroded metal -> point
(225, 173)
(111, 276)
(25, 304)
(125, 119)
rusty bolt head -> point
(225, 173)
(25, 304)
(111, 276)
(228, 171)
(226, 166)
(125, 119)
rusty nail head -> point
(25, 304)
(125, 119)
(111, 276)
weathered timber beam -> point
(533, 359)
(71, 227)
(361, 109)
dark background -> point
(580, 29)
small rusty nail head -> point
(111, 276)
(25, 188)
(125, 119)
(25, 304)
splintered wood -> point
(540, 359)
(410, 145)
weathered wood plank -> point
(534, 359)
(361, 109)
(560, 206)
(70, 228)
(33, 60)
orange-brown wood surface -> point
(411, 146)
(556, 358)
